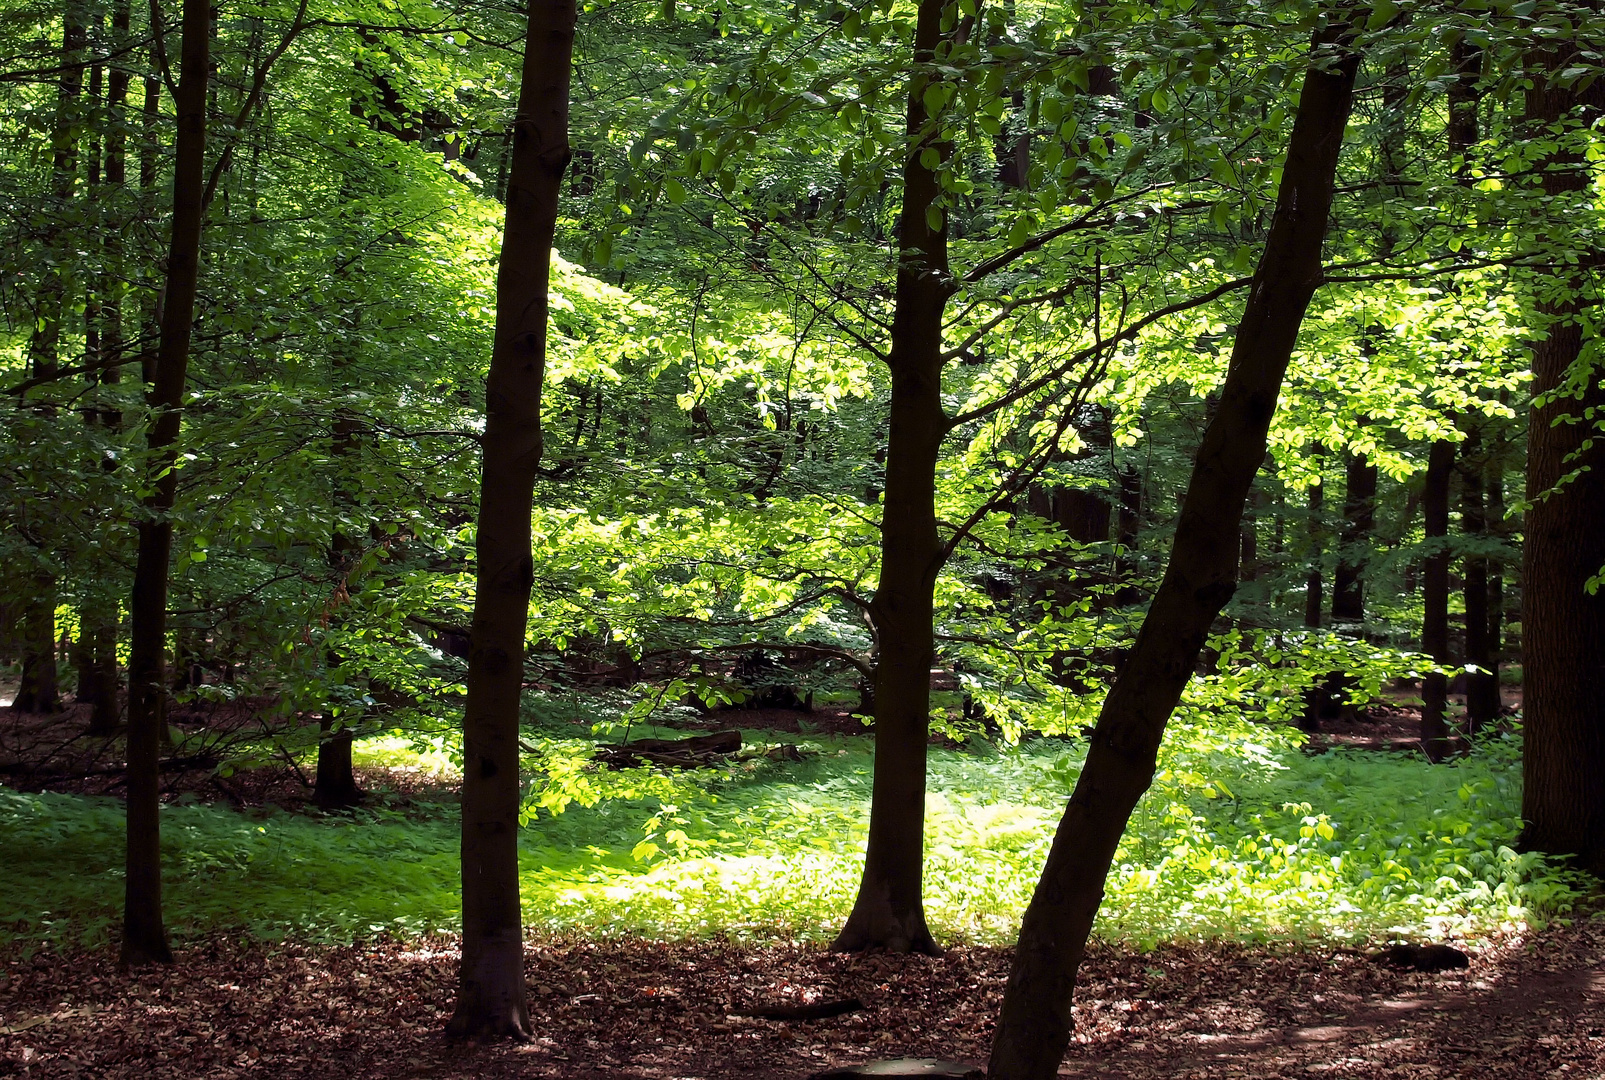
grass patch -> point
(1243, 837)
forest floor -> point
(1529, 1007)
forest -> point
(720, 538)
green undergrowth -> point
(1243, 836)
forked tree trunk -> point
(1562, 625)
(1435, 597)
(889, 911)
(144, 936)
(490, 993)
(1035, 1024)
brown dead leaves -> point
(638, 1010)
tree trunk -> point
(100, 615)
(1482, 687)
(144, 937)
(1127, 524)
(1035, 1024)
(39, 691)
(1563, 626)
(1359, 516)
(1496, 570)
(1435, 597)
(890, 911)
(1312, 581)
(490, 995)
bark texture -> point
(1563, 627)
(1036, 1020)
(144, 936)
(490, 991)
(889, 911)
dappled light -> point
(685, 541)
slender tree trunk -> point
(335, 783)
(1435, 597)
(1312, 581)
(890, 911)
(490, 995)
(1496, 571)
(1359, 518)
(144, 936)
(1563, 626)
(1126, 532)
(1035, 1024)
(1315, 696)
(100, 615)
(39, 691)
(1482, 687)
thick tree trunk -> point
(1563, 626)
(144, 937)
(37, 692)
(335, 784)
(490, 994)
(890, 911)
(1435, 597)
(1035, 1025)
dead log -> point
(695, 752)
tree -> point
(1035, 1024)
(490, 994)
(889, 910)
(1563, 621)
(38, 690)
(144, 936)
(1435, 597)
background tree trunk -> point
(39, 690)
(144, 936)
(1435, 598)
(1035, 1025)
(1359, 517)
(1482, 687)
(889, 911)
(490, 992)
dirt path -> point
(636, 1010)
